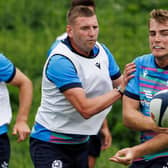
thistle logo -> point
(57, 164)
(4, 165)
(166, 166)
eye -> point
(152, 33)
(95, 27)
(84, 28)
(164, 33)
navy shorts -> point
(50, 155)
(161, 162)
(4, 150)
(95, 145)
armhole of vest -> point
(49, 61)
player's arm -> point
(88, 107)
(135, 120)
(105, 135)
(24, 85)
(127, 155)
(154, 145)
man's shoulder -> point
(2, 56)
(4, 60)
(144, 59)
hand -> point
(124, 156)
(21, 129)
(128, 72)
(106, 138)
(158, 129)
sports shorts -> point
(4, 151)
(95, 145)
(51, 155)
(161, 162)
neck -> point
(162, 61)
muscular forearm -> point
(133, 118)
(25, 100)
(88, 107)
(156, 144)
(135, 122)
(99, 103)
(24, 85)
(128, 155)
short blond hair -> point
(78, 11)
(159, 15)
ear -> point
(69, 30)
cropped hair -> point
(159, 15)
(83, 2)
(78, 11)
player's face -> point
(158, 39)
(83, 34)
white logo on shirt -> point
(57, 164)
(98, 65)
(145, 73)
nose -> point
(91, 32)
(157, 37)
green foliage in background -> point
(28, 28)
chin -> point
(158, 54)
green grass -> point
(27, 29)
(20, 156)
(103, 162)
